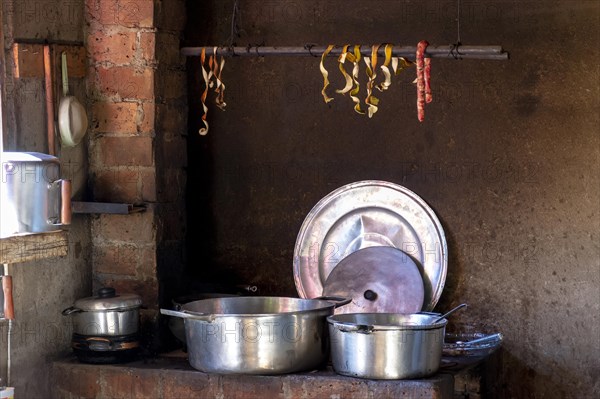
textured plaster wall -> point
(42, 289)
(508, 157)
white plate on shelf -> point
(366, 214)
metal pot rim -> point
(320, 305)
(348, 325)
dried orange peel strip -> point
(220, 86)
(355, 59)
(342, 59)
(371, 63)
(325, 73)
(399, 64)
(385, 69)
(206, 75)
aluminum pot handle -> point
(338, 300)
(65, 203)
(71, 310)
(186, 314)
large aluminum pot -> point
(257, 335)
(33, 198)
(386, 345)
(106, 314)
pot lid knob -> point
(107, 292)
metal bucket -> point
(386, 345)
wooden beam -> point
(32, 247)
(29, 60)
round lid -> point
(107, 299)
(378, 280)
(367, 214)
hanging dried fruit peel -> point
(214, 70)
(352, 84)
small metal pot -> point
(257, 335)
(106, 314)
(386, 345)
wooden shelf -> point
(32, 247)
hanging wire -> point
(236, 23)
(454, 51)
(458, 21)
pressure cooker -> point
(105, 327)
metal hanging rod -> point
(448, 51)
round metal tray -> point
(366, 214)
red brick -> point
(126, 151)
(144, 387)
(115, 117)
(146, 118)
(148, 46)
(136, 227)
(115, 47)
(127, 13)
(119, 185)
(182, 386)
(125, 83)
(78, 381)
(119, 384)
(116, 259)
(148, 185)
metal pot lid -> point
(366, 214)
(107, 299)
(378, 280)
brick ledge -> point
(173, 377)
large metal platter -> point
(366, 214)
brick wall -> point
(136, 81)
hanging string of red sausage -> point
(423, 85)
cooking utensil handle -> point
(186, 314)
(9, 308)
(49, 98)
(65, 74)
(484, 340)
(448, 313)
(339, 301)
(71, 310)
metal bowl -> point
(472, 345)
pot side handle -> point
(71, 310)
(186, 314)
(64, 218)
(65, 201)
(338, 300)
